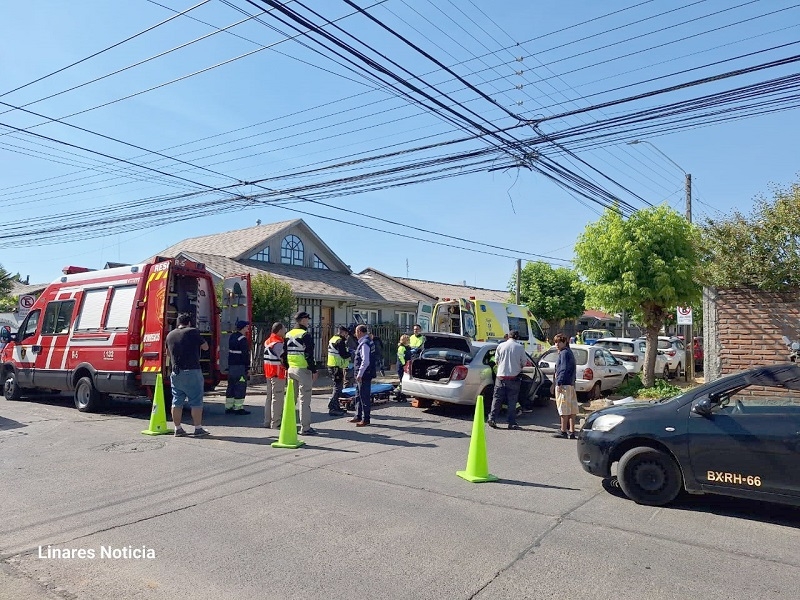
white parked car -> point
(673, 349)
(451, 369)
(631, 352)
(597, 371)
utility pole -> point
(689, 340)
(519, 277)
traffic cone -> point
(158, 416)
(287, 438)
(477, 464)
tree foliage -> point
(551, 294)
(761, 250)
(273, 299)
(6, 282)
(646, 262)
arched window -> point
(292, 251)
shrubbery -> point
(636, 389)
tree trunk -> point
(651, 334)
(653, 320)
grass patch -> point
(660, 389)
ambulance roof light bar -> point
(71, 270)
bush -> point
(636, 389)
(661, 389)
(632, 387)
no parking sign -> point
(26, 301)
(684, 315)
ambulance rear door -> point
(424, 315)
(236, 306)
(153, 357)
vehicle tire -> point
(677, 372)
(596, 392)
(666, 372)
(649, 476)
(11, 389)
(87, 398)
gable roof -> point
(241, 244)
(305, 281)
(439, 290)
(392, 287)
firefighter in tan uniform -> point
(298, 358)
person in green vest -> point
(338, 359)
(416, 340)
(299, 361)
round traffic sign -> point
(27, 301)
(685, 310)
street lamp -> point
(689, 340)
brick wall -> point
(743, 328)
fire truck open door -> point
(236, 306)
(156, 323)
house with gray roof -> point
(323, 283)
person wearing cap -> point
(511, 359)
(338, 359)
(298, 358)
(238, 370)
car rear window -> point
(581, 356)
(616, 346)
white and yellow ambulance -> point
(484, 321)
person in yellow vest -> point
(298, 358)
(275, 374)
(338, 359)
(403, 355)
(415, 340)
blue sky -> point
(285, 109)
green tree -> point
(761, 250)
(551, 294)
(273, 299)
(646, 262)
(8, 302)
(6, 282)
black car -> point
(738, 436)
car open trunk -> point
(441, 353)
(433, 369)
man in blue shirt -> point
(566, 399)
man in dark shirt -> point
(184, 345)
(566, 399)
(238, 370)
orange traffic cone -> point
(477, 463)
(287, 438)
(158, 416)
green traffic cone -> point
(287, 438)
(158, 416)
(477, 463)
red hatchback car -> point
(697, 349)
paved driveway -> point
(371, 513)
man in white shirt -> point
(510, 358)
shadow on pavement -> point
(536, 485)
(10, 424)
(725, 506)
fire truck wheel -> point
(87, 398)
(11, 389)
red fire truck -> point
(97, 333)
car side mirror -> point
(703, 407)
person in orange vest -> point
(275, 373)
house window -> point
(367, 317)
(318, 264)
(292, 251)
(262, 255)
(405, 320)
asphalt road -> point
(371, 513)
